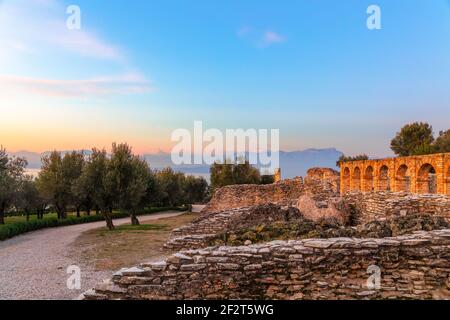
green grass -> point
(17, 224)
(136, 229)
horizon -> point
(312, 70)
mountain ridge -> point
(292, 163)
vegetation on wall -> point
(234, 173)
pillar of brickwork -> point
(277, 175)
(440, 173)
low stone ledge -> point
(415, 266)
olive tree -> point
(57, 178)
(128, 176)
(94, 179)
(11, 174)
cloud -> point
(271, 37)
(131, 83)
(39, 27)
(31, 30)
(260, 39)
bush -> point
(10, 230)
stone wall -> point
(367, 207)
(322, 183)
(207, 226)
(416, 266)
(244, 206)
(238, 196)
(327, 175)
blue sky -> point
(137, 71)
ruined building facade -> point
(415, 174)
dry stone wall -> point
(207, 226)
(367, 207)
(321, 183)
(238, 196)
(416, 266)
(259, 204)
(327, 175)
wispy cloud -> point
(259, 38)
(39, 26)
(31, 30)
(130, 83)
(271, 37)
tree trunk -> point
(110, 210)
(108, 219)
(134, 219)
(78, 212)
(97, 210)
(59, 211)
(27, 213)
(2, 215)
(88, 211)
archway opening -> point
(346, 180)
(402, 179)
(426, 179)
(368, 179)
(356, 179)
(383, 179)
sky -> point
(137, 71)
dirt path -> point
(34, 265)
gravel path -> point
(34, 265)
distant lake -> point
(32, 171)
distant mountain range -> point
(292, 163)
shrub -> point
(10, 230)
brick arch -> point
(402, 179)
(384, 183)
(346, 180)
(356, 179)
(426, 179)
(369, 179)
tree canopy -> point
(413, 139)
(233, 173)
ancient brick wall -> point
(416, 174)
(240, 206)
(384, 205)
(416, 266)
(328, 175)
(320, 182)
(238, 196)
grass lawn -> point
(33, 217)
(16, 225)
(127, 245)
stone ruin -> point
(416, 265)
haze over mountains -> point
(292, 163)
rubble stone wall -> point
(320, 182)
(197, 233)
(367, 207)
(246, 195)
(416, 266)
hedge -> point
(10, 230)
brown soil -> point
(128, 245)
